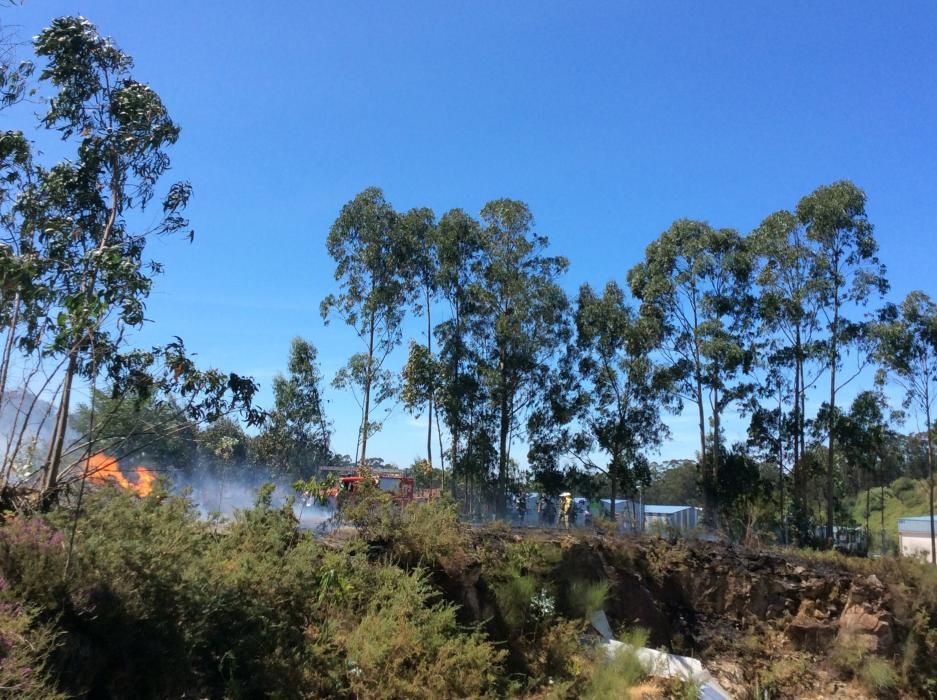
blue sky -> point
(609, 119)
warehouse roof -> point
(916, 524)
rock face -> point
(811, 630)
(724, 604)
(866, 615)
(748, 616)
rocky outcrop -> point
(746, 615)
(866, 615)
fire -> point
(100, 468)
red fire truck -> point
(400, 487)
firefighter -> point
(566, 506)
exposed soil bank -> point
(795, 626)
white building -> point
(658, 518)
(914, 537)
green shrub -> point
(25, 648)
(431, 532)
(159, 603)
(585, 598)
(852, 657)
(878, 676)
(407, 644)
(514, 595)
(32, 560)
(612, 678)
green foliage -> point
(26, 645)
(432, 532)
(903, 498)
(514, 595)
(614, 677)
(406, 645)
(585, 598)
(165, 604)
(607, 397)
(695, 285)
(520, 318)
(75, 266)
(223, 443)
(370, 249)
(851, 656)
(295, 438)
(424, 475)
(420, 377)
(675, 482)
(316, 489)
(128, 426)
(878, 676)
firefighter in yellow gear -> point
(566, 507)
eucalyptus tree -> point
(459, 253)
(623, 391)
(421, 376)
(847, 273)
(78, 213)
(18, 268)
(297, 432)
(520, 318)
(772, 436)
(695, 284)
(864, 434)
(369, 247)
(906, 346)
(788, 308)
(419, 238)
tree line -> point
(769, 325)
(764, 325)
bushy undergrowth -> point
(158, 603)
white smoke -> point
(224, 491)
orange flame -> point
(100, 468)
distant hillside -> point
(904, 497)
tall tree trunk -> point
(456, 426)
(783, 518)
(8, 348)
(613, 484)
(930, 466)
(709, 500)
(453, 457)
(882, 496)
(53, 464)
(367, 396)
(717, 411)
(834, 357)
(709, 503)
(429, 412)
(50, 475)
(442, 457)
(868, 511)
(503, 432)
(798, 498)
